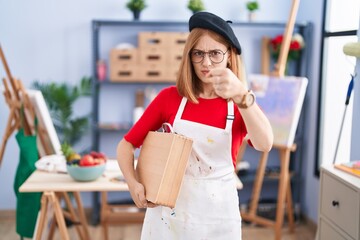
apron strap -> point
(181, 108)
(230, 117)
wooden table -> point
(55, 187)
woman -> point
(212, 105)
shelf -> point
(107, 22)
(108, 82)
(112, 127)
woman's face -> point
(208, 54)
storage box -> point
(124, 72)
(148, 56)
(161, 166)
(153, 40)
(178, 41)
(172, 72)
(154, 73)
(175, 58)
(122, 56)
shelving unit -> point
(107, 33)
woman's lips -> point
(205, 72)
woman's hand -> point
(226, 84)
(125, 157)
(137, 192)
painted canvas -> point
(281, 99)
(50, 143)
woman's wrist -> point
(246, 100)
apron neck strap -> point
(230, 116)
(181, 108)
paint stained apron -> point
(208, 205)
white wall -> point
(50, 40)
(355, 136)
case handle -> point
(166, 127)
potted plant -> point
(136, 6)
(252, 6)
(196, 5)
(60, 99)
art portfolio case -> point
(161, 166)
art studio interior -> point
(78, 75)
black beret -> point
(214, 23)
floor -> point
(132, 232)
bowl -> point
(85, 174)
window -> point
(335, 75)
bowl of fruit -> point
(88, 167)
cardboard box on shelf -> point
(124, 72)
(122, 56)
(153, 40)
(172, 72)
(153, 56)
(178, 41)
(174, 58)
(155, 73)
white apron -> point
(207, 207)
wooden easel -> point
(284, 187)
(17, 98)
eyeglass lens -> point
(216, 56)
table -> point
(55, 187)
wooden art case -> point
(161, 166)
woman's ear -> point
(229, 59)
(228, 63)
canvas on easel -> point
(281, 99)
(50, 143)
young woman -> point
(212, 105)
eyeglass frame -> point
(208, 52)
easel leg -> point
(52, 228)
(59, 216)
(43, 211)
(283, 184)
(260, 172)
(82, 215)
(289, 204)
(72, 213)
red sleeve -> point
(162, 109)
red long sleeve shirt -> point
(210, 112)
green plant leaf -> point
(60, 98)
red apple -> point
(99, 161)
(95, 154)
(87, 160)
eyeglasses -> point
(216, 56)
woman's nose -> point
(206, 61)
